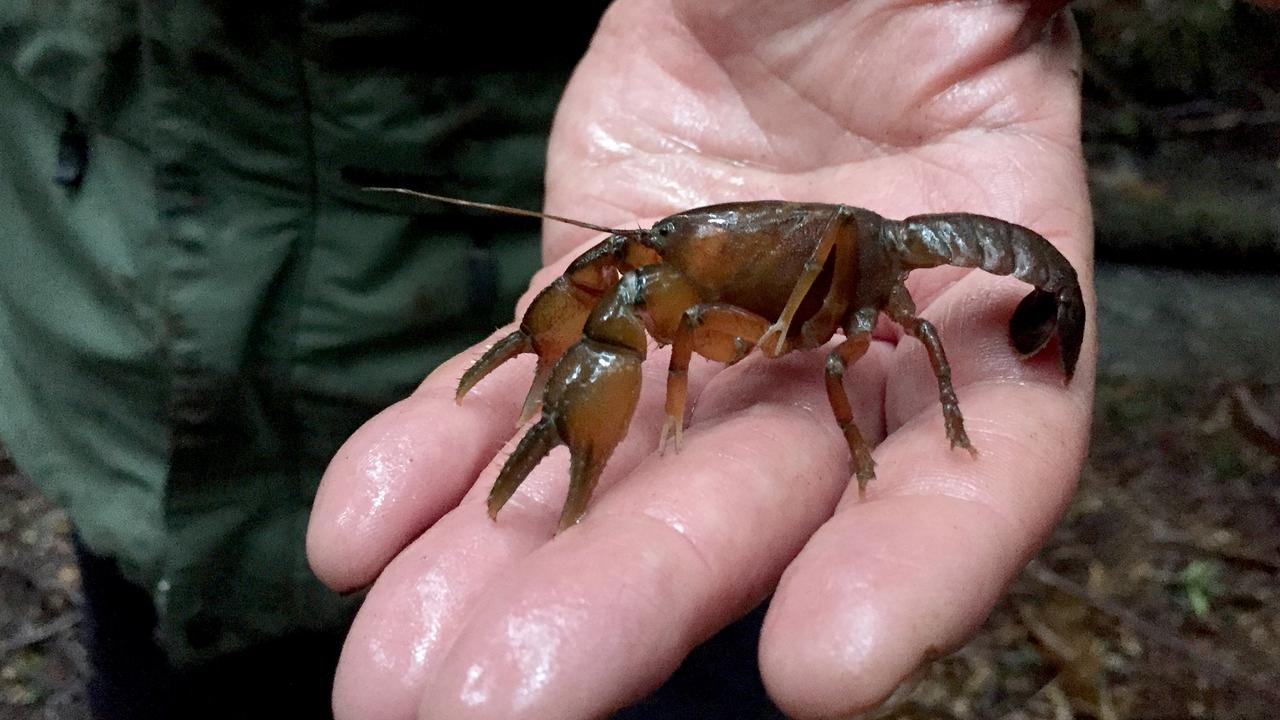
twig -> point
(1220, 668)
(7, 466)
(39, 633)
(1227, 120)
(1252, 422)
(28, 575)
(1110, 84)
(1161, 534)
(66, 702)
(1236, 557)
(911, 708)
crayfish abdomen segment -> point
(1055, 307)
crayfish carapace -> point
(724, 279)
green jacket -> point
(195, 308)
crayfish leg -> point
(901, 309)
(672, 431)
(717, 331)
(844, 355)
(812, 268)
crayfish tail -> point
(1000, 247)
(1041, 315)
(1034, 322)
(533, 447)
(1071, 320)
(508, 347)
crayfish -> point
(725, 279)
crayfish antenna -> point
(505, 209)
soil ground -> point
(42, 665)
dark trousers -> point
(292, 677)
(132, 679)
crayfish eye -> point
(665, 228)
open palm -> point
(903, 108)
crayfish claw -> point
(534, 446)
(508, 347)
(585, 467)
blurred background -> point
(1159, 594)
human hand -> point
(899, 108)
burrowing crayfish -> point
(712, 279)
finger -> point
(411, 614)
(601, 615)
(407, 466)
(420, 601)
(909, 574)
